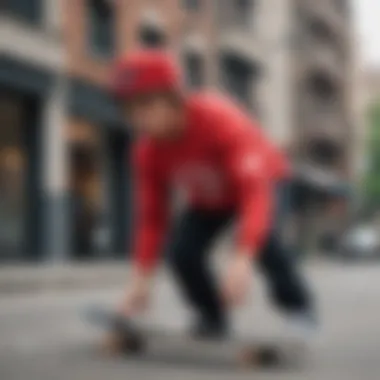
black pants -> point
(189, 254)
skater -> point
(206, 146)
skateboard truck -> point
(265, 356)
(122, 336)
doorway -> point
(99, 191)
(20, 177)
(85, 188)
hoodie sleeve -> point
(151, 212)
(245, 159)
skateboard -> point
(125, 337)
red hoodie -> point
(223, 161)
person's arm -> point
(246, 164)
(245, 160)
(151, 202)
(151, 214)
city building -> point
(326, 107)
(372, 86)
(64, 173)
(32, 61)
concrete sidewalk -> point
(48, 277)
(69, 276)
(44, 337)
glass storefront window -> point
(99, 191)
(86, 189)
(12, 178)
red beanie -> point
(144, 71)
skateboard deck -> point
(127, 337)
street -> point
(43, 337)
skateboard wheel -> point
(132, 345)
(268, 356)
(259, 356)
(247, 358)
(112, 344)
(116, 344)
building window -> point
(13, 176)
(192, 5)
(195, 70)
(244, 11)
(28, 10)
(320, 30)
(322, 87)
(101, 28)
(342, 5)
(316, 32)
(324, 152)
(237, 78)
(86, 190)
(152, 37)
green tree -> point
(372, 181)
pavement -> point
(43, 336)
(50, 276)
(21, 279)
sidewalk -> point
(67, 276)
(47, 277)
(75, 276)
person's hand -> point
(237, 281)
(136, 298)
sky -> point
(367, 13)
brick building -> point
(64, 180)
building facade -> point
(32, 107)
(326, 110)
(65, 179)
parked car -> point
(361, 242)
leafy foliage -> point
(372, 181)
